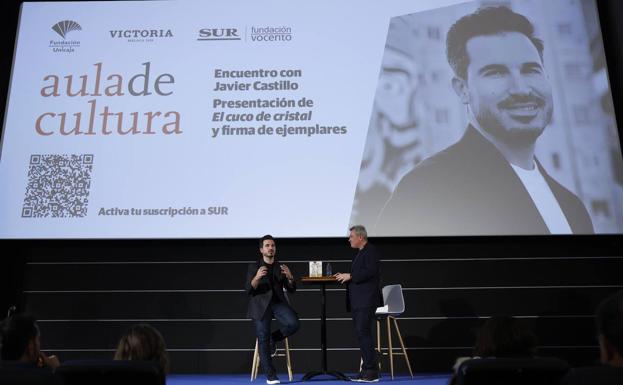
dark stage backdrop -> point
(86, 293)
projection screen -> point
(223, 119)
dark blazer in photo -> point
(471, 189)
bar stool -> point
(394, 305)
(255, 366)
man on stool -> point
(265, 284)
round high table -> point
(322, 282)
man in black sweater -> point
(265, 284)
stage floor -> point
(244, 379)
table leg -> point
(323, 343)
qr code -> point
(58, 186)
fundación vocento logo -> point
(63, 28)
(143, 35)
(282, 33)
(253, 34)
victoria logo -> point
(66, 26)
(140, 35)
(62, 28)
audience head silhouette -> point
(20, 339)
(610, 329)
(504, 336)
(143, 342)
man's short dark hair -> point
(610, 320)
(17, 331)
(485, 21)
(265, 238)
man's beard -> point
(519, 135)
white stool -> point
(255, 366)
(394, 306)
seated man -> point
(500, 337)
(265, 283)
(21, 344)
(610, 335)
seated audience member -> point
(610, 335)
(504, 336)
(143, 342)
(501, 336)
(21, 344)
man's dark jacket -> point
(364, 288)
(260, 297)
(471, 189)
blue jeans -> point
(289, 324)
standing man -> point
(363, 296)
(266, 281)
(490, 182)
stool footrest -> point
(255, 366)
(389, 351)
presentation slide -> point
(237, 118)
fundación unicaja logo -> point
(63, 28)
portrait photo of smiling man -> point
(490, 182)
